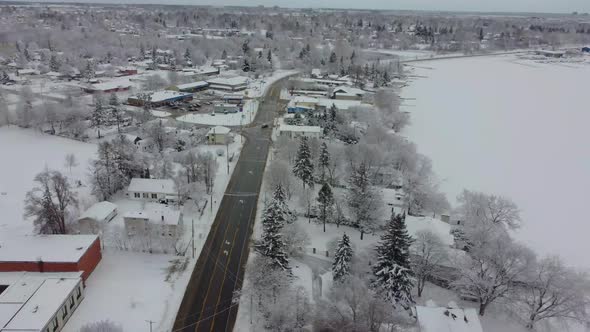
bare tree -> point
(101, 326)
(428, 252)
(477, 207)
(552, 291)
(70, 161)
(492, 270)
(49, 201)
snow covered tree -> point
(324, 161)
(101, 326)
(303, 168)
(113, 100)
(88, 71)
(98, 114)
(48, 202)
(392, 273)
(428, 252)
(54, 64)
(271, 244)
(156, 132)
(342, 259)
(187, 56)
(326, 202)
(280, 197)
(224, 54)
(364, 202)
(70, 161)
(476, 207)
(4, 78)
(246, 65)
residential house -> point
(347, 93)
(92, 220)
(164, 221)
(109, 87)
(152, 189)
(38, 302)
(218, 135)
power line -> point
(206, 318)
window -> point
(72, 302)
(65, 312)
(78, 293)
(145, 195)
(154, 196)
(136, 195)
(55, 324)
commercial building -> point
(50, 253)
(237, 83)
(190, 87)
(109, 87)
(160, 98)
(38, 302)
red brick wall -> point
(90, 259)
(87, 263)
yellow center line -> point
(221, 217)
(224, 276)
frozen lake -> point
(515, 128)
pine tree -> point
(54, 65)
(280, 197)
(269, 57)
(392, 273)
(141, 51)
(113, 100)
(333, 57)
(97, 116)
(89, 71)
(246, 66)
(224, 55)
(342, 259)
(324, 160)
(303, 168)
(326, 202)
(271, 244)
(362, 200)
(187, 56)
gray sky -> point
(549, 6)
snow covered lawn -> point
(219, 119)
(25, 153)
(513, 127)
(129, 288)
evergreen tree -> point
(269, 57)
(342, 259)
(187, 56)
(280, 197)
(141, 51)
(54, 65)
(333, 57)
(89, 71)
(97, 116)
(324, 161)
(4, 78)
(246, 47)
(224, 55)
(392, 273)
(113, 100)
(303, 168)
(246, 66)
(326, 202)
(362, 200)
(480, 34)
(271, 244)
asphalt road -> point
(207, 304)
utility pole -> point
(150, 322)
(193, 235)
(227, 155)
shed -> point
(218, 135)
(97, 215)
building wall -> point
(90, 259)
(346, 97)
(66, 310)
(217, 138)
(136, 226)
(297, 134)
(146, 196)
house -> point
(218, 135)
(38, 302)
(50, 253)
(347, 93)
(97, 215)
(127, 71)
(550, 54)
(152, 189)
(436, 319)
(293, 132)
(226, 108)
(108, 87)
(205, 71)
(237, 83)
(27, 72)
(164, 221)
(190, 87)
(160, 98)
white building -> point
(152, 189)
(348, 93)
(164, 221)
(436, 319)
(237, 83)
(292, 132)
(218, 135)
(97, 215)
(38, 302)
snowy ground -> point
(25, 153)
(514, 127)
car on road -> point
(264, 125)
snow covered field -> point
(24, 154)
(513, 127)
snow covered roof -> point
(163, 95)
(439, 319)
(164, 186)
(440, 228)
(47, 248)
(219, 129)
(30, 303)
(164, 215)
(340, 104)
(346, 90)
(99, 211)
(301, 129)
(198, 84)
(115, 84)
(231, 81)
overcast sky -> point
(548, 6)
